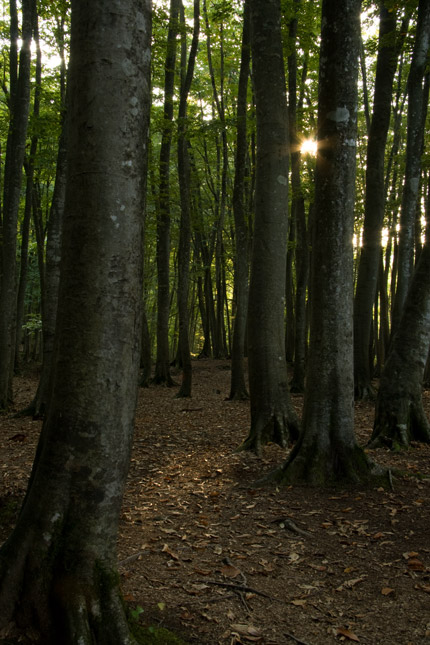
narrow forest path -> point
(208, 554)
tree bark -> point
(400, 416)
(184, 250)
(19, 107)
(298, 215)
(374, 206)
(272, 415)
(327, 452)
(414, 145)
(238, 389)
(58, 567)
(162, 370)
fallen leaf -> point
(172, 554)
(387, 591)
(340, 631)
(349, 584)
(415, 564)
(229, 571)
(249, 632)
(423, 587)
(299, 602)
(410, 554)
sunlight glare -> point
(309, 147)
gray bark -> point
(58, 567)
(414, 144)
(162, 370)
(19, 107)
(374, 203)
(272, 415)
(327, 452)
(184, 249)
(238, 389)
(400, 416)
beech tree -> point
(326, 451)
(58, 567)
(374, 208)
(184, 251)
(400, 417)
(19, 105)
(162, 371)
(272, 415)
(417, 109)
(238, 389)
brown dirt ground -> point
(206, 553)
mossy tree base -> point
(311, 465)
(82, 605)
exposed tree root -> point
(398, 421)
(334, 466)
(280, 428)
(364, 392)
(239, 395)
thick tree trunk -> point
(326, 452)
(400, 416)
(19, 106)
(374, 203)
(272, 415)
(238, 389)
(58, 567)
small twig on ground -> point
(289, 524)
(297, 640)
(230, 585)
(131, 558)
(390, 479)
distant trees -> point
(205, 196)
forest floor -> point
(207, 554)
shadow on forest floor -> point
(203, 552)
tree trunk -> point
(414, 145)
(272, 415)
(238, 389)
(299, 218)
(326, 452)
(162, 370)
(58, 567)
(184, 250)
(374, 206)
(19, 106)
(400, 416)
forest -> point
(214, 237)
